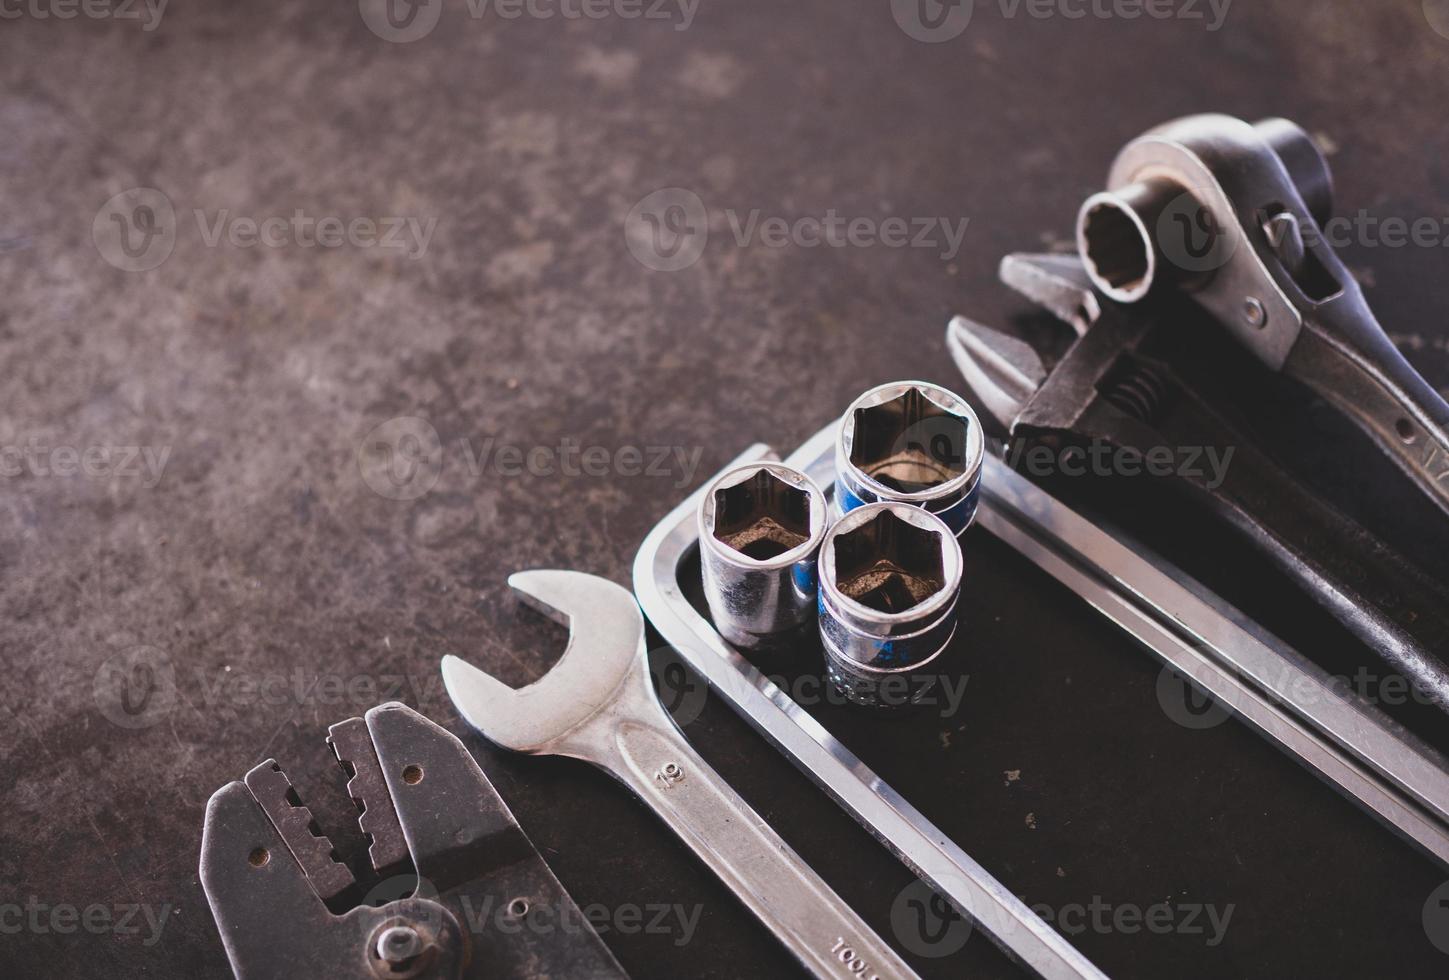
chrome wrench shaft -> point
(597, 704)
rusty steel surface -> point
(262, 473)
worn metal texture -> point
(268, 561)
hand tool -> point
(1232, 213)
(915, 443)
(760, 529)
(1287, 699)
(970, 888)
(436, 824)
(1145, 378)
(597, 704)
(890, 577)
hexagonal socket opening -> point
(889, 565)
(909, 443)
(762, 517)
(1117, 251)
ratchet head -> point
(605, 650)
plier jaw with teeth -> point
(449, 858)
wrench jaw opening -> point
(603, 664)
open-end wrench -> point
(597, 704)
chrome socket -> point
(760, 530)
(890, 580)
(913, 443)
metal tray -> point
(1291, 702)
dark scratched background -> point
(172, 619)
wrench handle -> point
(792, 901)
(1358, 370)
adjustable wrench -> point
(597, 704)
(1146, 377)
(1232, 214)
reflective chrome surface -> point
(998, 913)
(915, 443)
(1288, 700)
(760, 530)
(597, 704)
(890, 577)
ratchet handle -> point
(803, 912)
(1362, 374)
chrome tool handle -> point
(1354, 366)
(791, 900)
